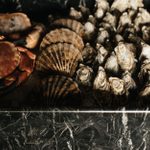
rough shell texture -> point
(9, 58)
(74, 25)
(125, 57)
(14, 22)
(84, 75)
(62, 35)
(56, 89)
(61, 58)
(117, 86)
(111, 64)
(101, 83)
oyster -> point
(74, 14)
(125, 57)
(101, 54)
(56, 89)
(14, 22)
(74, 25)
(117, 86)
(101, 83)
(88, 54)
(101, 7)
(62, 35)
(61, 58)
(146, 33)
(102, 36)
(124, 21)
(129, 82)
(84, 75)
(111, 64)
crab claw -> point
(26, 65)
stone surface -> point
(60, 130)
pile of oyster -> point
(93, 58)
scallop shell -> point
(117, 86)
(101, 83)
(9, 58)
(61, 58)
(74, 25)
(125, 57)
(84, 75)
(63, 36)
(56, 89)
(14, 22)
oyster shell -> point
(129, 82)
(124, 21)
(74, 14)
(9, 58)
(74, 25)
(88, 54)
(146, 33)
(84, 75)
(101, 83)
(111, 64)
(101, 7)
(61, 58)
(117, 86)
(101, 54)
(56, 89)
(125, 57)
(62, 35)
(102, 36)
(14, 22)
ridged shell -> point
(14, 22)
(63, 36)
(84, 75)
(55, 88)
(9, 58)
(74, 25)
(101, 83)
(61, 58)
(117, 86)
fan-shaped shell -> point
(14, 22)
(74, 25)
(56, 88)
(63, 36)
(61, 58)
(9, 58)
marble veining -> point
(54, 130)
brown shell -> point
(57, 88)
(146, 91)
(117, 86)
(61, 58)
(63, 36)
(14, 22)
(9, 58)
(74, 25)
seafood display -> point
(99, 56)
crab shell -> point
(21, 70)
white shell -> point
(101, 83)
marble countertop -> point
(74, 130)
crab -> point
(16, 64)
